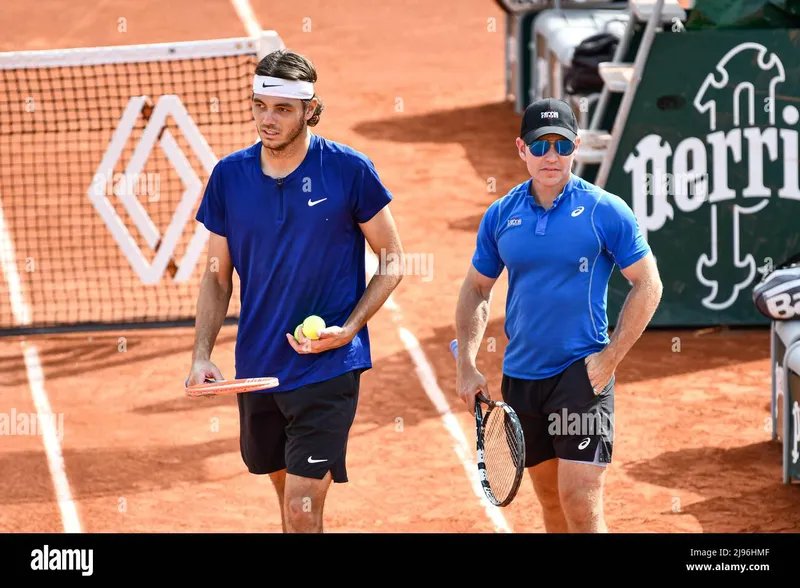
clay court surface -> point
(693, 451)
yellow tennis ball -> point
(297, 332)
(312, 326)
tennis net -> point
(104, 155)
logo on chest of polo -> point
(517, 221)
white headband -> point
(270, 86)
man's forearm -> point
(378, 290)
(212, 307)
(472, 317)
(638, 309)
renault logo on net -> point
(154, 133)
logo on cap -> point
(549, 114)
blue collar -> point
(296, 171)
(559, 198)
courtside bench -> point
(556, 34)
(521, 16)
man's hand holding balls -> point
(313, 336)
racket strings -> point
(503, 453)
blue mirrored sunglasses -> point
(541, 146)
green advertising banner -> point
(708, 161)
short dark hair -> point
(286, 64)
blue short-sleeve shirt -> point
(559, 262)
(298, 250)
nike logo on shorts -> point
(312, 460)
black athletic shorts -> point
(562, 417)
(304, 430)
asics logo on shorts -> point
(584, 443)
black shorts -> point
(562, 417)
(304, 431)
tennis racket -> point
(501, 447)
(221, 387)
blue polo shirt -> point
(559, 263)
(297, 248)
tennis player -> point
(560, 238)
(291, 215)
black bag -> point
(583, 75)
(777, 295)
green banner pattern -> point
(708, 161)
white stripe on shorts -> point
(596, 461)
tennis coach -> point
(560, 237)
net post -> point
(268, 41)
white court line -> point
(21, 311)
(247, 16)
(45, 418)
(69, 513)
(428, 379)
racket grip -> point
(186, 382)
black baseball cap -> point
(545, 116)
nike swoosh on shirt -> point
(314, 202)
